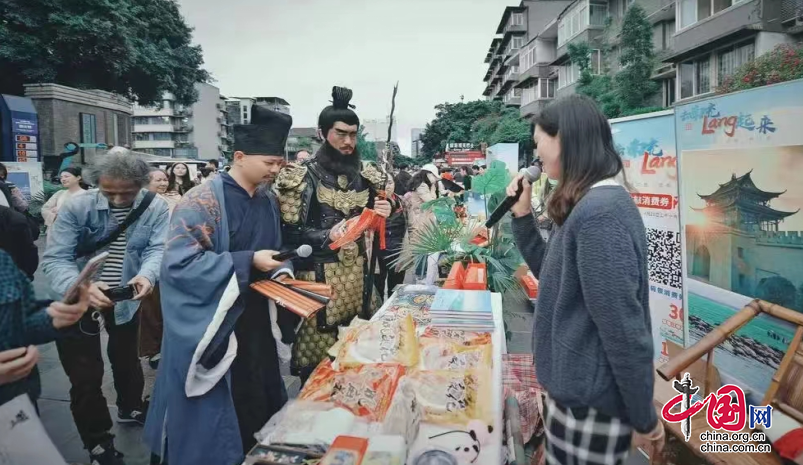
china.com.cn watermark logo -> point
(727, 411)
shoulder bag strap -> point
(129, 220)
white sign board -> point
(26, 176)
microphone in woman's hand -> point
(531, 175)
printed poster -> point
(741, 159)
(26, 176)
(647, 146)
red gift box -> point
(456, 278)
(476, 277)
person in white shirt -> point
(73, 184)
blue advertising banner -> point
(647, 146)
(741, 159)
(24, 125)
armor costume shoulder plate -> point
(291, 176)
(290, 185)
(371, 173)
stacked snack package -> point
(446, 355)
(381, 341)
(453, 397)
(404, 416)
(366, 391)
(459, 336)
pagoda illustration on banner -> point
(740, 247)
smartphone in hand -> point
(120, 293)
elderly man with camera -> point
(122, 218)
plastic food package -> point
(404, 416)
(318, 387)
(310, 423)
(386, 450)
(445, 355)
(381, 341)
(366, 391)
(453, 397)
(458, 336)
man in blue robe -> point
(219, 379)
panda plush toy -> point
(466, 446)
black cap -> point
(266, 135)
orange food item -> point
(365, 391)
(346, 450)
(319, 385)
(459, 336)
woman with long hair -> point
(179, 180)
(73, 184)
(592, 334)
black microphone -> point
(531, 174)
(303, 251)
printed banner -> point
(647, 146)
(741, 159)
(26, 176)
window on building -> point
(516, 42)
(551, 88)
(517, 19)
(669, 92)
(731, 58)
(742, 280)
(89, 128)
(703, 76)
(686, 73)
(695, 77)
(167, 104)
(692, 11)
(567, 74)
(740, 252)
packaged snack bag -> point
(446, 355)
(319, 385)
(381, 341)
(453, 397)
(458, 336)
(366, 391)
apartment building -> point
(698, 43)
(173, 130)
(517, 27)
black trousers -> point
(80, 355)
(387, 273)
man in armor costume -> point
(316, 198)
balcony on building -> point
(154, 144)
(582, 22)
(514, 21)
(716, 37)
(512, 97)
(536, 94)
(182, 127)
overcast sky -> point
(299, 49)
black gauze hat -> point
(339, 110)
(266, 135)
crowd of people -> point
(181, 253)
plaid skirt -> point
(584, 436)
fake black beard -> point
(336, 163)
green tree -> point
(453, 123)
(627, 92)
(633, 84)
(136, 48)
(366, 148)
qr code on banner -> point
(663, 257)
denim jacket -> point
(83, 222)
